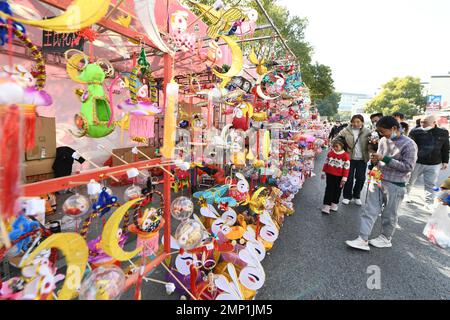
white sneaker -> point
(359, 243)
(346, 202)
(381, 242)
(326, 209)
(358, 202)
(407, 199)
(334, 207)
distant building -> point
(439, 86)
(353, 102)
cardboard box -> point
(128, 156)
(40, 177)
(38, 170)
(45, 140)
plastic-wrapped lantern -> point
(236, 142)
(182, 208)
(132, 193)
(189, 234)
(76, 205)
(93, 189)
(104, 283)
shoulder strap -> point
(359, 136)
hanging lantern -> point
(170, 119)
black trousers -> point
(333, 190)
(356, 180)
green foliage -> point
(317, 77)
(344, 116)
(329, 105)
(399, 95)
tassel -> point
(30, 127)
(10, 161)
(142, 126)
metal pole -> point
(274, 27)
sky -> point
(367, 43)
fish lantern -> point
(95, 117)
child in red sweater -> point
(335, 170)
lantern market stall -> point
(214, 132)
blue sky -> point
(367, 43)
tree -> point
(329, 106)
(317, 77)
(320, 81)
(399, 95)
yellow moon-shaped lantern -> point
(73, 63)
(237, 60)
(76, 252)
(257, 203)
(109, 242)
(80, 14)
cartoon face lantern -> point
(19, 74)
(143, 92)
(269, 232)
(179, 23)
(252, 276)
(42, 277)
(248, 26)
(242, 113)
(236, 144)
(241, 192)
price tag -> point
(210, 246)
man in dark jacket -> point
(433, 156)
(335, 131)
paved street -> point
(311, 261)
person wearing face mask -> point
(396, 157)
(357, 138)
(433, 156)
